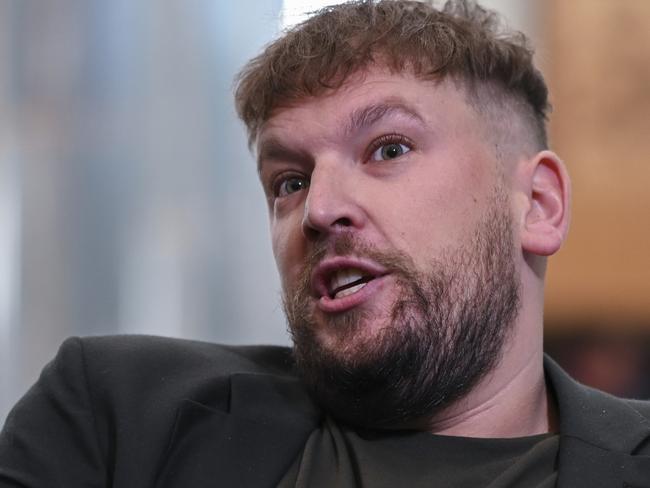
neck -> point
(512, 400)
(518, 407)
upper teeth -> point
(346, 277)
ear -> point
(548, 190)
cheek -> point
(431, 218)
(288, 250)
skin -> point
(324, 168)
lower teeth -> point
(349, 291)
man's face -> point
(390, 224)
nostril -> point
(342, 222)
(310, 232)
(313, 232)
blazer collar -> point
(252, 443)
(599, 434)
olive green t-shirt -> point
(338, 456)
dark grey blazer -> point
(134, 411)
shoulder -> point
(101, 399)
(598, 418)
(137, 354)
(121, 375)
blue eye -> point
(389, 151)
(291, 185)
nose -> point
(332, 205)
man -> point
(413, 202)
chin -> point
(353, 333)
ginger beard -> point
(444, 332)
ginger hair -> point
(461, 40)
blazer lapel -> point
(251, 445)
(598, 436)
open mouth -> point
(339, 277)
(340, 283)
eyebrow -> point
(274, 149)
(370, 115)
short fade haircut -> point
(462, 40)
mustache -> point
(347, 244)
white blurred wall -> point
(128, 200)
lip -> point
(322, 273)
(338, 305)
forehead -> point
(367, 98)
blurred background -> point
(130, 204)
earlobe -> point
(546, 222)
